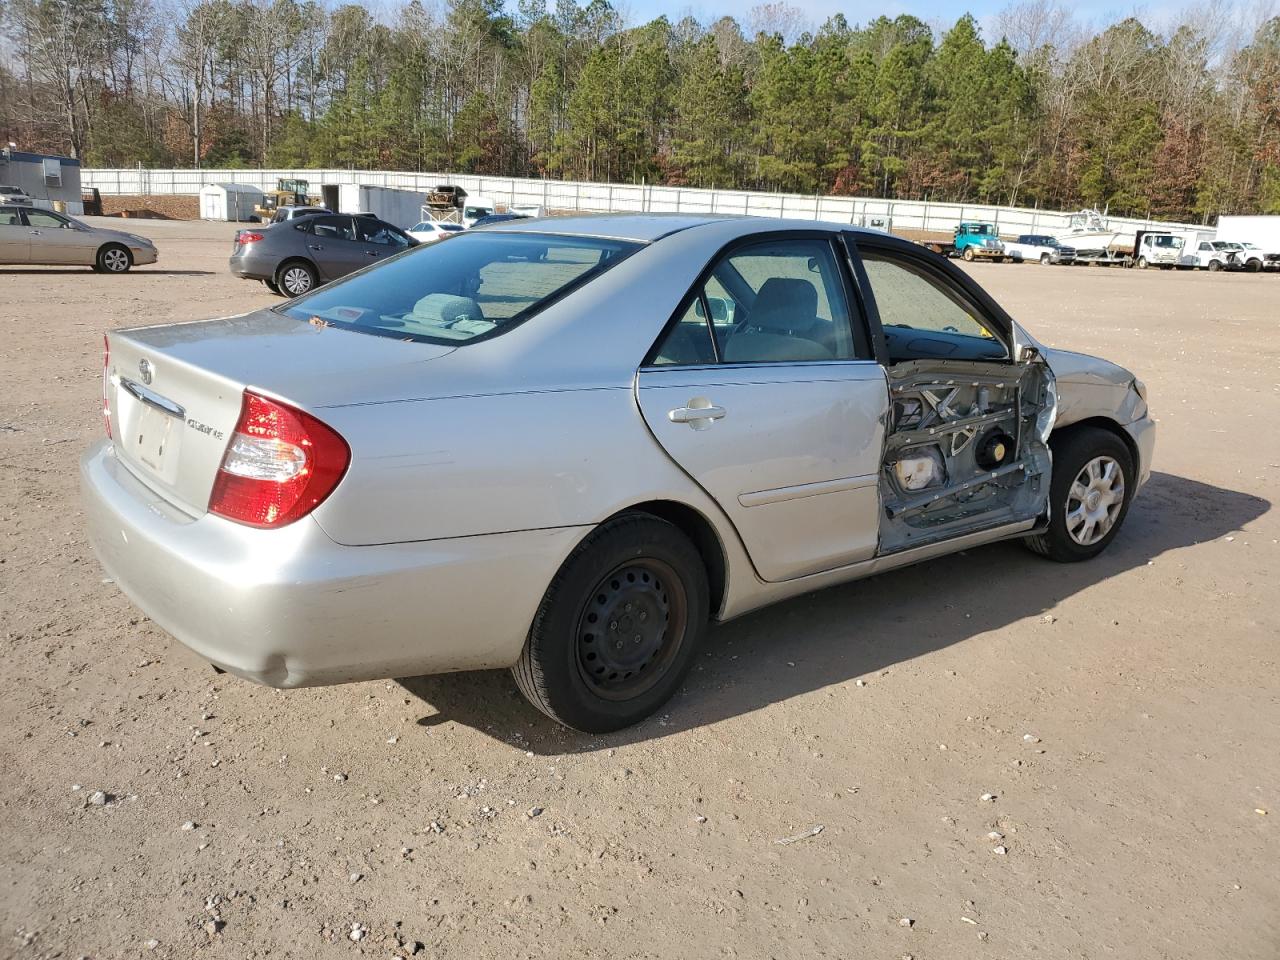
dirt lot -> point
(1124, 714)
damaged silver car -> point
(568, 446)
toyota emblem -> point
(144, 370)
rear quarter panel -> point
(463, 466)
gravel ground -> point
(1007, 758)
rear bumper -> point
(291, 608)
(252, 268)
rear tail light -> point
(248, 236)
(280, 465)
(106, 383)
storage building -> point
(229, 201)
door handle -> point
(315, 246)
(35, 233)
(698, 414)
(373, 253)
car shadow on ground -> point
(854, 630)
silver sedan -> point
(567, 446)
(29, 235)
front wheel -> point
(618, 628)
(1045, 259)
(1142, 263)
(1214, 266)
(968, 254)
(113, 258)
(1093, 483)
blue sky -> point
(1098, 13)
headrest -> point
(441, 309)
(785, 303)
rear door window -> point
(329, 227)
(779, 301)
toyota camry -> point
(568, 446)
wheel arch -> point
(1101, 423)
(702, 532)
(297, 258)
(107, 245)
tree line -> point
(1182, 124)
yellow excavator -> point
(288, 192)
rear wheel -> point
(273, 287)
(113, 258)
(294, 278)
(1093, 483)
(618, 628)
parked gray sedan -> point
(29, 235)
(298, 254)
(567, 446)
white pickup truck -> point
(1255, 257)
(1038, 248)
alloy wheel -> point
(296, 281)
(1095, 500)
(116, 261)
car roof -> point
(648, 227)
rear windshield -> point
(476, 286)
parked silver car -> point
(10, 194)
(28, 235)
(566, 446)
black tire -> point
(273, 287)
(1214, 266)
(289, 278)
(113, 258)
(967, 254)
(1073, 451)
(570, 668)
(1253, 266)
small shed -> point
(229, 201)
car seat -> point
(782, 325)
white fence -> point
(892, 215)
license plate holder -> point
(152, 437)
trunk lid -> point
(174, 392)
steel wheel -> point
(635, 575)
(296, 279)
(114, 260)
(1094, 501)
(631, 629)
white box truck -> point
(1184, 249)
(1260, 237)
(400, 208)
